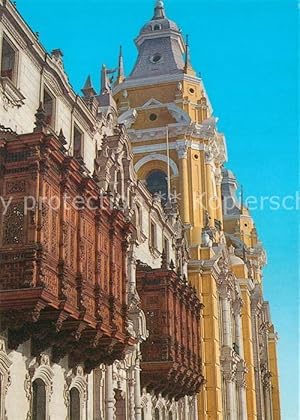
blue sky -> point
(246, 53)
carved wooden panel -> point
(170, 359)
(104, 260)
(50, 256)
(13, 231)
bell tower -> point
(179, 153)
(169, 117)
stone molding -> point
(39, 369)
(76, 379)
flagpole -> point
(168, 163)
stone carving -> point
(241, 373)
(182, 149)
(76, 379)
(40, 368)
(229, 362)
(10, 95)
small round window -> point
(156, 58)
(156, 27)
(192, 90)
(152, 117)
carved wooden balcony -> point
(62, 263)
(170, 357)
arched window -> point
(38, 400)
(157, 184)
(156, 414)
(74, 404)
(170, 415)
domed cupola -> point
(160, 45)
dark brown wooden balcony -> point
(170, 357)
(62, 261)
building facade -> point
(131, 277)
(179, 152)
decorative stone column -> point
(229, 362)
(131, 397)
(182, 150)
(186, 408)
(109, 394)
(228, 359)
(209, 163)
(237, 310)
(226, 314)
(139, 330)
(241, 367)
(137, 389)
(267, 390)
(256, 310)
(241, 385)
(218, 177)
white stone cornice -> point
(167, 33)
(213, 143)
(13, 34)
(159, 147)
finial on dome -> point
(159, 11)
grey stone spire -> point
(187, 53)
(159, 10)
(121, 72)
(160, 47)
(88, 89)
(105, 98)
(105, 87)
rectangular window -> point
(166, 248)
(153, 235)
(49, 108)
(139, 217)
(8, 61)
(77, 142)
